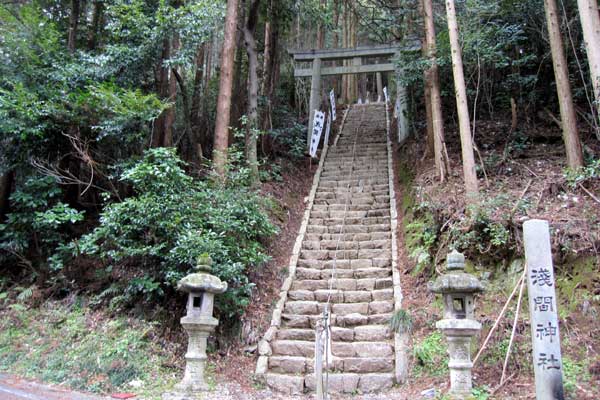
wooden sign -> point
(316, 133)
(541, 286)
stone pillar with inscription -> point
(547, 361)
(459, 325)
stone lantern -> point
(459, 325)
(199, 322)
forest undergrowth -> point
(523, 177)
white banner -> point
(328, 129)
(332, 99)
(316, 133)
(385, 94)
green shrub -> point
(37, 228)
(173, 219)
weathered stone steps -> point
(344, 265)
(342, 296)
(343, 284)
(383, 262)
(338, 382)
(348, 228)
(350, 320)
(304, 307)
(303, 365)
(345, 245)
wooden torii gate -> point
(356, 54)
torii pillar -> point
(315, 96)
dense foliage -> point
(173, 219)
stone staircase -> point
(346, 257)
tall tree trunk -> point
(320, 29)
(266, 73)
(432, 75)
(197, 136)
(336, 42)
(252, 125)
(208, 74)
(429, 148)
(352, 38)
(166, 85)
(225, 84)
(466, 142)
(6, 183)
(238, 101)
(73, 25)
(590, 23)
(270, 70)
(563, 87)
(172, 82)
(93, 33)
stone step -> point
(306, 348)
(333, 183)
(313, 228)
(354, 198)
(351, 250)
(351, 176)
(303, 307)
(366, 221)
(353, 383)
(382, 212)
(344, 174)
(310, 321)
(357, 169)
(382, 262)
(358, 153)
(345, 148)
(365, 333)
(338, 383)
(345, 202)
(305, 365)
(346, 162)
(314, 273)
(355, 187)
(344, 254)
(341, 296)
(345, 245)
(348, 207)
(358, 157)
(342, 284)
(354, 237)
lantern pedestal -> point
(459, 333)
(198, 332)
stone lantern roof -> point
(203, 280)
(456, 280)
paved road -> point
(13, 388)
